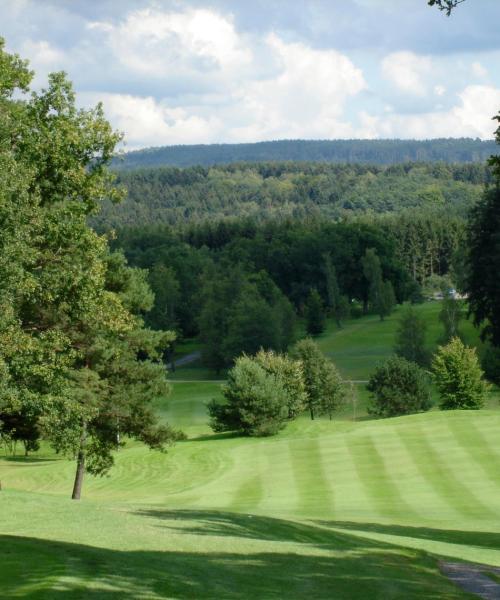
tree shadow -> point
(34, 568)
(219, 523)
(28, 459)
(480, 539)
(210, 437)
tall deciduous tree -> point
(69, 343)
(323, 383)
(450, 315)
(380, 293)
(410, 337)
(338, 304)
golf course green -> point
(326, 509)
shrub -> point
(399, 387)
(290, 374)
(256, 401)
(458, 376)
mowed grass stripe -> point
(374, 476)
(280, 489)
(404, 473)
(438, 468)
(474, 443)
(253, 462)
(314, 492)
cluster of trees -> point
(240, 286)
(264, 191)
(402, 384)
(265, 391)
(77, 365)
(382, 152)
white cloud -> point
(472, 116)
(478, 70)
(407, 71)
(161, 44)
(43, 54)
(147, 122)
(439, 90)
(305, 98)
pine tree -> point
(315, 314)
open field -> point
(325, 509)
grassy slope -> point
(342, 509)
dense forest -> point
(295, 190)
(240, 284)
(236, 253)
(382, 152)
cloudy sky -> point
(183, 72)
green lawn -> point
(338, 509)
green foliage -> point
(410, 338)
(338, 304)
(482, 281)
(323, 383)
(386, 301)
(490, 363)
(452, 311)
(267, 255)
(458, 376)
(296, 190)
(371, 152)
(445, 5)
(19, 426)
(256, 401)
(240, 314)
(167, 297)
(314, 313)
(74, 355)
(381, 295)
(399, 387)
(290, 374)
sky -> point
(189, 72)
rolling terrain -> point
(345, 509)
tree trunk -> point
(80, 470)
(80, 465)
(312, 413)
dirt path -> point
(185, 360)
(472, 579)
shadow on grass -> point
(29, 459)
(209, 437)
(217, 523)
(480, 539)
(343, 567)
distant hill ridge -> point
(383, 152)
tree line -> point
(241, 286)
(297, 190)
(451, 150)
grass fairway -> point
(325, 509)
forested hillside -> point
(383, 152)
(290, 190)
